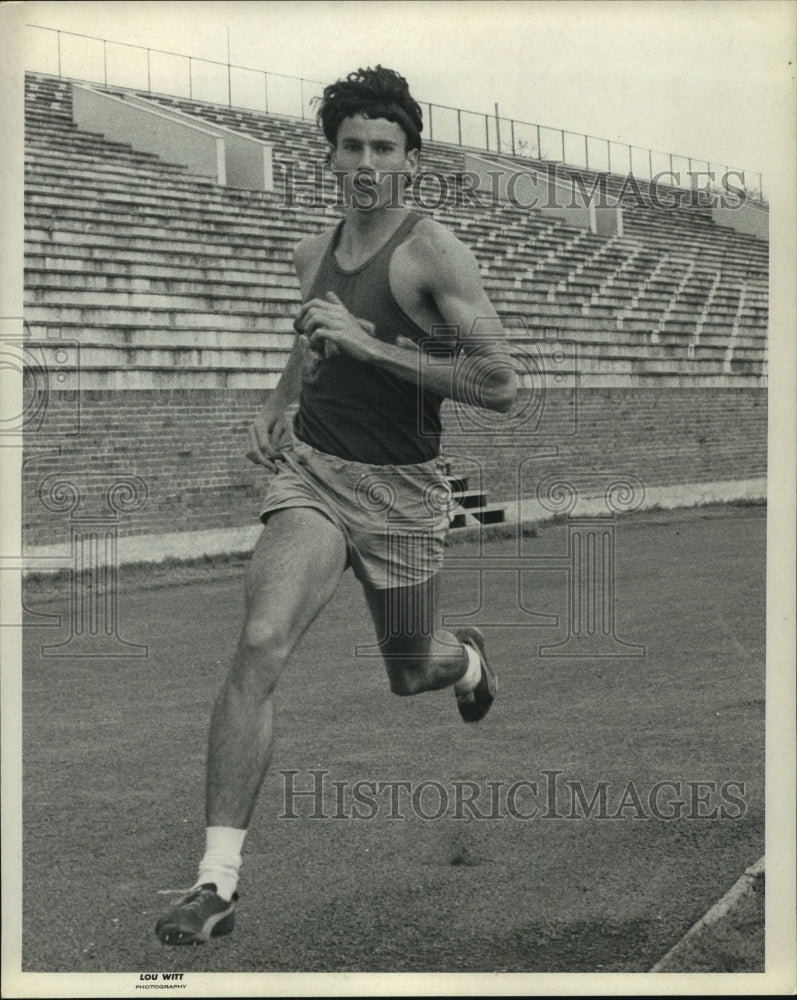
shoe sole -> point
(474, 709)
(216, 925)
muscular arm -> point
(481, 373)
(290, 383)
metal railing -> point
(86, 57)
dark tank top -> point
(356, 410)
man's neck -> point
(364, 232)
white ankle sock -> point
(222, 859)
(473, 672)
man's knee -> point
(406, 683)
(435, 665)
(265, 639)
(407, 674)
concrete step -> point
(742, 366)
(755, 347)
(94, 357)
(79, 318)
(58, 185)
(257, 287)
(47, 199)
(217, 301)
(261, 354)
(146, 338)
(467, 499)
(603, 309)
(166, 244)
(59, 137)
(686, 367)
(674, 326)
(753, 332)
(182, 228)
(116, 178)
(486, 515)
(187, 379)
(708, 352)
(40, 161)
(130, 377)
(61, 272)
(190, 256)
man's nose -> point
(366, 160)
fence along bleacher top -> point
(51, 50)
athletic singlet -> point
(356, 410)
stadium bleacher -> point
(170, 283)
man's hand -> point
(330, 328)
(265, 434)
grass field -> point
(113, 754)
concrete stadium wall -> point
(191, 144)
(165, 469)
(248, 161)
(749, 218)
(530, 188)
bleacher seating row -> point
(167, 279)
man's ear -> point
(329, 158)
(412, 159)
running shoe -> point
(197, 916)
(476, 703)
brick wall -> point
(661, 436)
(186, 447)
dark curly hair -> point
(373, 93)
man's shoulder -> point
(429, 235)
(311, 248)
(435, 248)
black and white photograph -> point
(398, 456)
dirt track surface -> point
(114, 756)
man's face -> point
(372, 156)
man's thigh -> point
(295, 568)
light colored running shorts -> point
(395, 518)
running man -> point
(375, 288)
